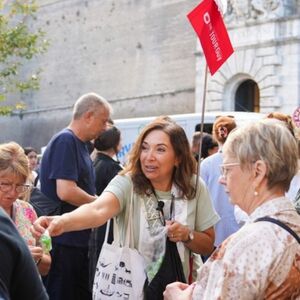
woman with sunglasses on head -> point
(165, 204)
(14, 172)
(261, 260)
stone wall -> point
(140, 55)
(137, 54)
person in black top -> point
(108, 144)
(19, 278)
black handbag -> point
(170, 270)
(43, 205)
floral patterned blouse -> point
(23, 215)
(260, 261)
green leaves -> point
(19, 43)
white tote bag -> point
(120, 271)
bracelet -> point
(38, 262)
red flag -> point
(210, 28)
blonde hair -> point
(13, 160)
(270, 141)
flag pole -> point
(202, 125)
(207, 21)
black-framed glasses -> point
(7, 187)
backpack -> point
(43, 205)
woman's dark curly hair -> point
(182, 174)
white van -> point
(130, 128)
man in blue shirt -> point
(67, 176)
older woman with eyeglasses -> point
(261, 260)
(14, 171)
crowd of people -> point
(259, 261)
(228, 231)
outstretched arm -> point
(86, 216)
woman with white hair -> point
(261, 260)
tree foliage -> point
(19, 43)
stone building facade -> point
(142, 56)
(139, 55)
(263, 74)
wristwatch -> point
(190, 236)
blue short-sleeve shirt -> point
(67, 157)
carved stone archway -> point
(266, 39)
(247, 97)
(258, 65)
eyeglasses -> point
(225, 167)
(6, 187)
